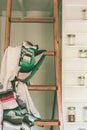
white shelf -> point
(73, 21)
(79, 33)
(76, 45)
(77, 122)
(72, 65)
(75, 4)
(75, 101)
(76, 59)
(70, 86)
(75, 71)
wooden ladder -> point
(55, 53)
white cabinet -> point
(74, 61)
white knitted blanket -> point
(9, 69)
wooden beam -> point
(39, 87)
(32, 20)
(47, 123)
(49, 53)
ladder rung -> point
(47, 123)
(49, 53)
(49, 88)
(32, 20)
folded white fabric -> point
(9, 66)
(9, 69)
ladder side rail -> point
(57, 63)
(7, 28)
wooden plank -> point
(49, 53)
(32, 20)
(47, 123)
(41, 88)
(7, 28)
